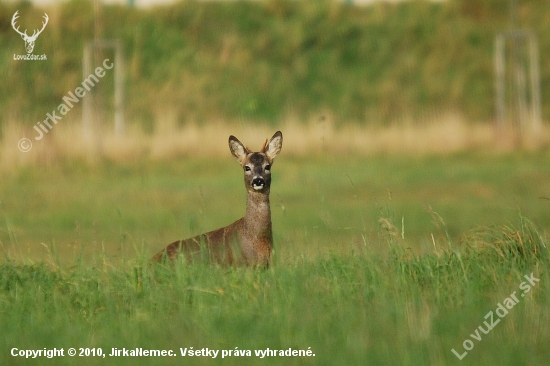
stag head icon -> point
(29, 40)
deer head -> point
(29, 40)
(257, 165)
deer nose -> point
(258, 183)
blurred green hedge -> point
(267, 60)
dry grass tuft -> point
(445, 135)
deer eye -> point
(268, 167)
(247, 168)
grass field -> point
(380, 260)
(407, 232)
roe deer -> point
(249, 240)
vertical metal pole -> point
(119, 89)
(87, 100)
(87, 108)
(500, 81)
(521, 90)
(535, 84)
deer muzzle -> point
(258, 184)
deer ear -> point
(272, 148)
(238, 149)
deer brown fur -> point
(249, 240)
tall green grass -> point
(378, 260)
(355, 309)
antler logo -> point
(29, 40)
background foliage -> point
(267, 60)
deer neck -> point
(258, 213)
